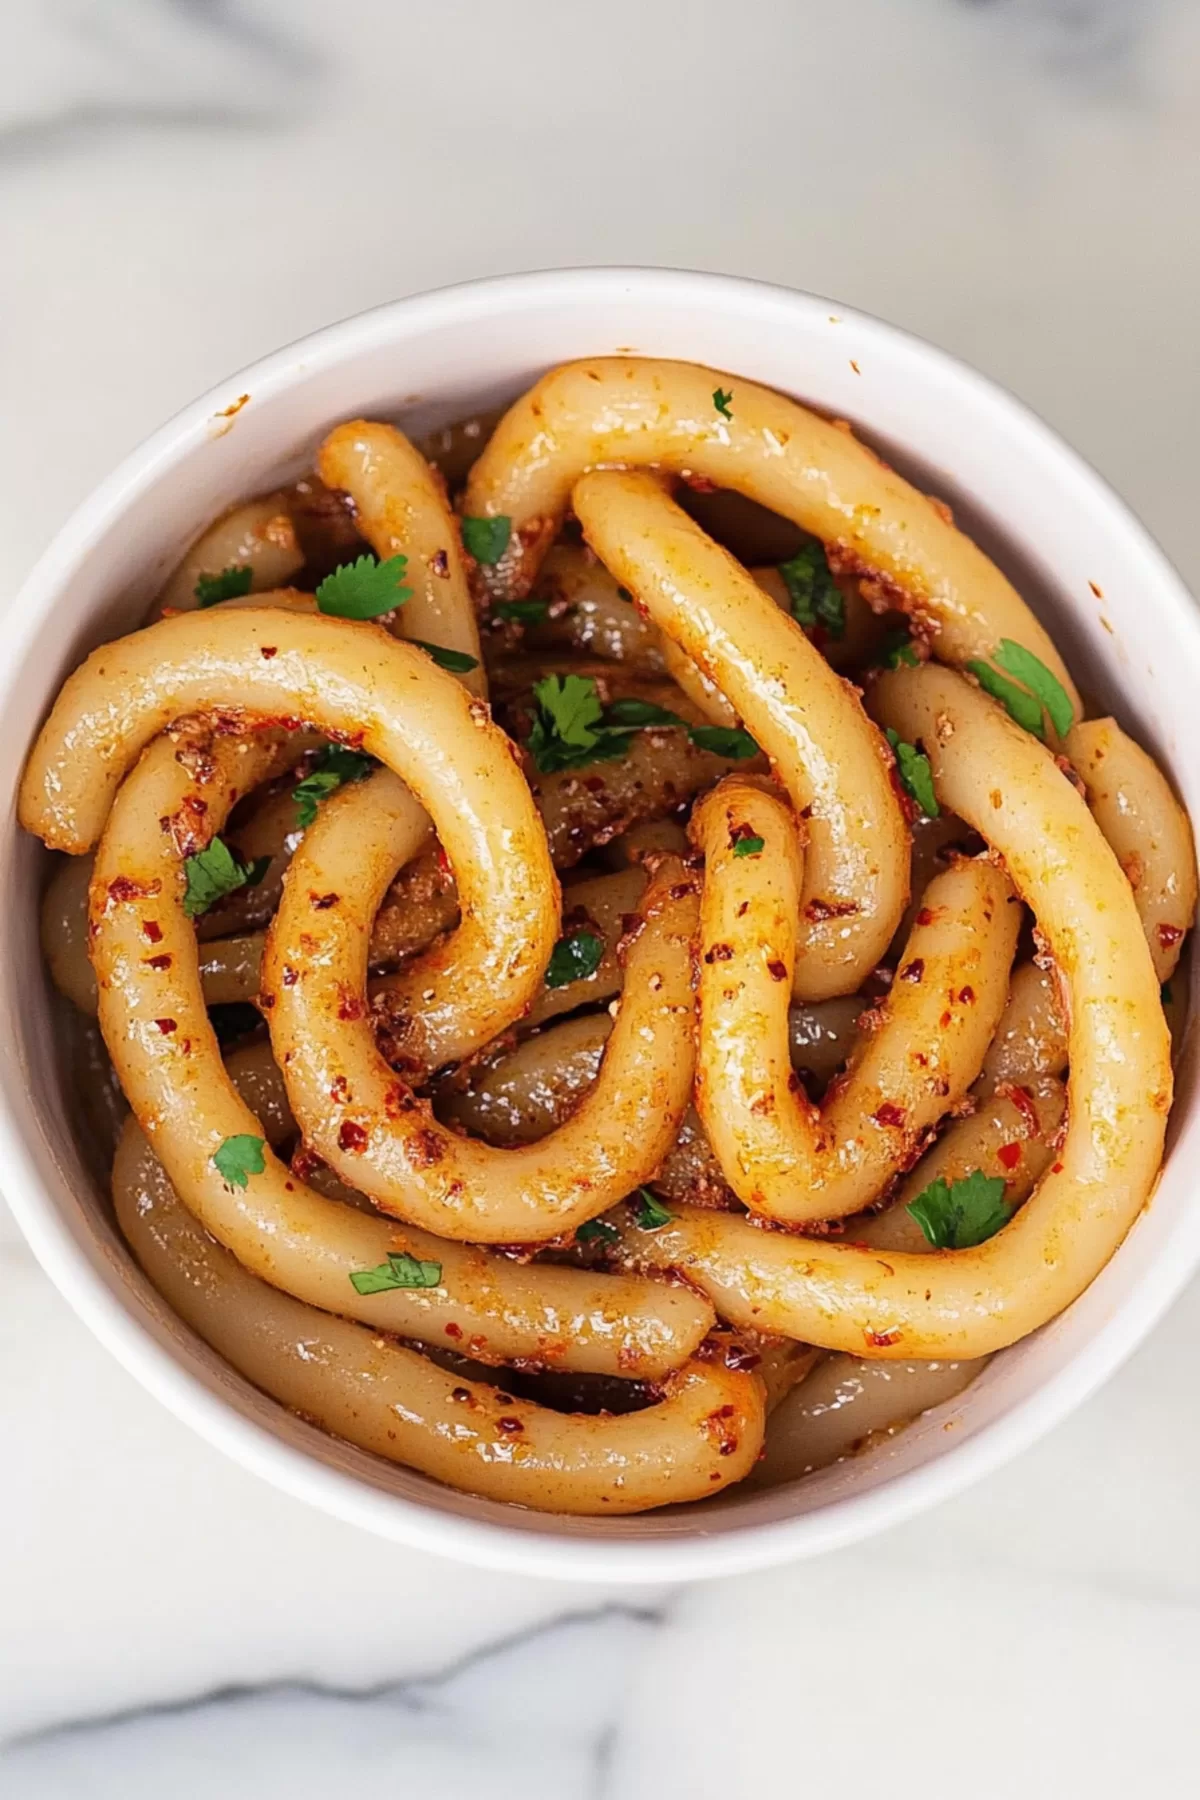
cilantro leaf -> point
(568, 725)
(724, 740)
(1018, 704)
(721, 399)
(228, 585)
(399, 1271)
(1039, 680)
(522, 612)
(574, 959)
(238, 1158)
(650, 1214)
(961, 1214)
(215, 872)
(897, 650)
(916, 776)
(334, 767)
(457, 661)
(487, 539)
(749, 846)
(364, 589)
(597, 1231)
(637, 713)
(815, 596)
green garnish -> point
(897, 651)
(487, 539)
(749, 846)
(597, 1231)
(399, 1271)
(1022, 705)
(522, 612)
(215, 872)
(568, 725)
(334, 767)
(574, 959)
(228, 585)
(238, 1158)
(721, 399)
(724, 740)
(1039, 680)
(815, 596)
(916, 776)
(650, 1214)
(960, 1214)
(571, 727)
(457, 661)
(365, 588)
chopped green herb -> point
(724, 740)
(574, 959)
(568, 725)
(215, 872)
(958, 1215)
(898, 651)
(487, 539)
(916, 776)
(334, 767)
(399, 1271)
(650, 1213)
(815, 596)
(238, 1158)
(597, 1231)
(457, 661)
(364, 589)
(635, 713)
(1165, 994)
(749, 846)
(1019, 705)
(228, 585)
(721, 399)
(522, 612)
(1039, 680)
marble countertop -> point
(185, 184)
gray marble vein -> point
(76, 71)
(532, 1717)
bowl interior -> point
(1116, 608)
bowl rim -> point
(481, 1542)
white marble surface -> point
(186, 183)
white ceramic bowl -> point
(1120, 613)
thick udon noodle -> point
(668, 1136)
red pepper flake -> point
(151, 931)
(509, 1425)
(719, 953)
(322, 902)
(777, 970)
(818, 909)
(462, 1395)
(913, 971)
(269, 650)
(454, 1331)
(124, 887)
(881, 1340)
(966, 996)
(1169, 936)
(595, 784)
(426, 1147)
(1022, 1099)
(351, 1136)
(290, 976)
(1056, 1168)
(166, 1026)
(1009, 1155)
(889, 1114)
(158, 962)
(925, 916)
(443, 863)
(351, 1006)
